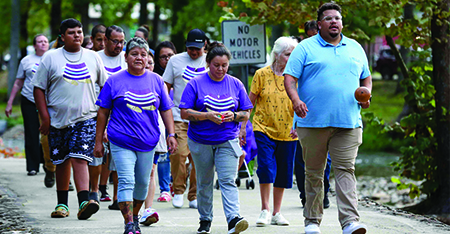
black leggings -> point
(33, 149)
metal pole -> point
(14, 43)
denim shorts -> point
(275, 161)
(74, 141)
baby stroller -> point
(250, 151)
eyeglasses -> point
(116, 42)
(330, 18)
(166, 57)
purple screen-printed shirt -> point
(134, 101)
(204, 94)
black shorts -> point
(74, 141)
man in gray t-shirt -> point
(180, 70)
(65, 96)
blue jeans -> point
(300, 172)
(133, 170)
(164, 172)
(225, 158)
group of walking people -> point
(131, 110)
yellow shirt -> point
(273, 110)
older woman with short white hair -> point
(272, 123)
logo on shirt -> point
(218, 104)
(76, 73)
(112, 71)
(140, 102)
(34, 68)
(190, 72)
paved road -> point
(39, 201)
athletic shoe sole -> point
(88, 210)
(105, 199)
(151, 219)
(60, 214)
(241, 226)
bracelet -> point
(234, 116)
(173, 135)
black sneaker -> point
(114, 206)
(326, 202)
(49, 180)
(136, 224)
(71, 188)
(205, 226)
(129, 228)
(237, 225)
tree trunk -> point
(82, 7)
(441, 76)
(14, 43)
(25, 8)
(143, 12)
(178, 39)
(155, 29)
(55, 18)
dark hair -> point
(86, 41)
(217, 49)
(164, 44)
(327, 6)
(112, 28)
(35, 38)
(99, 28)
(69, 23)
(143, 30)
(151, 54)
(311, 25)
(136, 41)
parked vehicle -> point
(386, 64)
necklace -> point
(275, 79)
(81, 55)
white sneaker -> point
(150, 216)
(312, 229)
(355, 228)
(177, 201)
(193, 204)
(264, 218)
(279, 220)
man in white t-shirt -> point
(113, 58)
(65, 96)
(180, 70)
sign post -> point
(247, 44)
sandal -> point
(61, 211)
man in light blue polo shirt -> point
(328, 68)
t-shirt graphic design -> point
(190, 72)
(112, 71)
(140, 102)
(219, 104)
(34, 68)
(75, 73)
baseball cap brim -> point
(195, 44)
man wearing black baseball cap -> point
(180, 69)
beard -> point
(334, 35)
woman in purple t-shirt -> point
(215, 103)
(133, 97)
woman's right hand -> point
(99, 149)
(214, 116)
(8, 110)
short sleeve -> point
(41, 77)
(244, 100)
(295, 64)
(168, 72)
(256, 82)
(105, 99)
(101, 72)
(365, 71)
(166, 102)
(20, 71)
(189, 96)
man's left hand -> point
(364, 105)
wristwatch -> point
(172, 135)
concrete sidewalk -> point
(38, 202)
